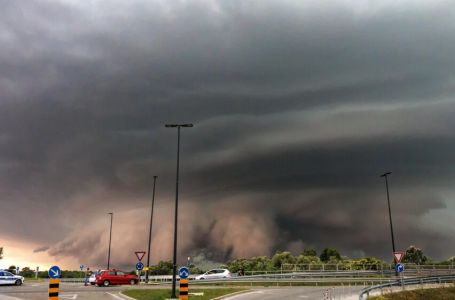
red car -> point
(108, 277)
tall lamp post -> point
(110, 239)
(150, 231)
(174, 261)
(390, 213)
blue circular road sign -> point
(184, 272)
(399, 268)
(54, 272)
(139, 266)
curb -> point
(127, 297)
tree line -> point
(329, 258)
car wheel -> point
(132, 281)
(92, 283)
(18, 282)
(106, 283)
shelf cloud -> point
(298, 107)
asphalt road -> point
(77, 291)
(300, 293)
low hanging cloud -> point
(41, 249)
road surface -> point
(77, 291)
(300, 293)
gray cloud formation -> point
(41, 249)
(298, 106)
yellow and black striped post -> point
(53, 288)
(183, 289)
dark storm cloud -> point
(298, 106)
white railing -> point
(406, 282)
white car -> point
(215, 274)
(92, 279)
(9, 278)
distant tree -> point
(309, 252)
(414, 255)
(162, 268)
(367, 263)
(27, 272)
(194, 269)
(281, 258)
(12, 269)
(330, 254)
(308, 259)
(258, 263)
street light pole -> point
(390, 212)
(150, 231)
(174, 261)
(110, 239)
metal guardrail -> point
(319, 275)
(407, 282)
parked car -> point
(9, 278)
(215, 274)
(110, 277)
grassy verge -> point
(424, 294)
(165, 294)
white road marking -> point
(244, 294)
(3, 297)
(68, 296)
(115, 296)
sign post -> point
(54, 282)
(184, 272)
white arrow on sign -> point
(69, 296)
(56, 272)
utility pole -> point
(150, 231)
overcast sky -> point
(298, 107)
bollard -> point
(183, 289)
(54, 285)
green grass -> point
(423, 294)
(166, 294)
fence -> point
(406, 282)
(365, 267)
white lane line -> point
(68, 296)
